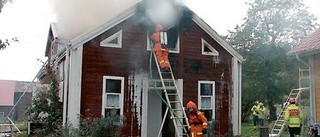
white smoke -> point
(75, 17)
(163, 12)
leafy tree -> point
(270, 29)
(46, 107)
(4, 44)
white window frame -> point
(60, 91)
(176, 50)
(2, 115)
(213, 52)
(105, 42)
(104, 94)
(212, 97)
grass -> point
(247, 127)
(247, 130)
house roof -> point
(81, 39)
(310, 45)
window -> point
(207, 49)
(114, 40)
(172, 40)
(206, 90)
(1, 115)
(61, 91)
(112, 96)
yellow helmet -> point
(260, 104)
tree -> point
(4, 44)
(46, 107)
(270, 29)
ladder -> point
(295, 93)
(172, 100)
(279, 123)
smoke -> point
(75, 17)
(164, 12)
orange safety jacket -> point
(197, 121)
(160, 47)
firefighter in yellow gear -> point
(255, 114)
(261, 111)
(293, 118)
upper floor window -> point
(114, 40)
(112, 96)
(207, 49)
(172, 39)
(206, 98)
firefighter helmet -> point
(292, 101)
(159, 28)
(260, 104)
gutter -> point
(311, 87)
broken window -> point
(207, 49)
(112, 94)
(206, 98)
(114, 40)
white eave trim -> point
(80, 40)
(53, 26)
(217, 37)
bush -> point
(46, 107)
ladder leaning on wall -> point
(167, 84)
(304, 78)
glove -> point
(204, 131)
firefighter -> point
(261, 111)
(198, 122)
(255, 114)
(160, 47)
(293, 118)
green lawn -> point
(247, 127)
(248, 131)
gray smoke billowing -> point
(75, 17)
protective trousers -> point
(196, 131)
(162, 55)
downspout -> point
(66, 84)
(311, 88)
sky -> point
(29, 21)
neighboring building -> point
(308, 53)
(108, 68)
(15, 94)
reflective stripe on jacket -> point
(254, 110)
(293, 116)
(261, 112)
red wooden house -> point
(109, 68)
